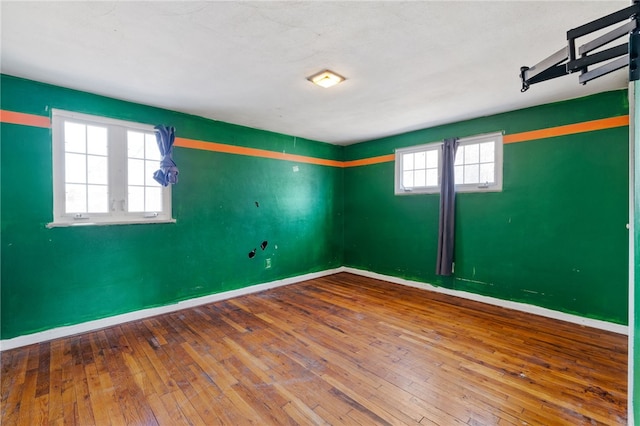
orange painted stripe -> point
(369, 161)
(240, 150)
(569, 129)
(24, 119)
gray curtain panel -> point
(446, 228)
(168, 171)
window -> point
(477, 167)
(419, 168)
(103, 172)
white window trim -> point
(497, 185)
(399, 188)
(462, 188)
(62, 219)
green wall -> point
(554, 237)
(61, 276)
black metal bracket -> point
(634, 54)
(565, 61)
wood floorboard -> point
(338, 350)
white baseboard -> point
(84, 327)
(532, 309)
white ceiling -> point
(409, 65)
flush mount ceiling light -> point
(326, 79)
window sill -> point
(463, 190)
(123, 222)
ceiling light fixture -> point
(326, 79)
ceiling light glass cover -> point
(326, 79)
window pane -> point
(74, 137)
(75, 200)
(459, 156)
(475, 164)
(471, 174)
(97, 170)
(75, 168)
(135, 144)
(487, 152)
(98, 198)
(471, 153)
(432, 177)
(152, 152)
(420, 178)
(151, 167)
(135, 173)
(407, 162)
(136, 199)
(153, 201)
(97, 140)
(419, 161)
(487, 173)
(103, 170)
(407, 179)
(458, 175)
(432, 159)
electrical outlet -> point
(267, 263)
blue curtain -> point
(168, 172)
(446, 227)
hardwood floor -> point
(341, 350)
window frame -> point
(399, 188)
(118, 213)
(495, 186)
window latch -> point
(80, 216)
(484, 185)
